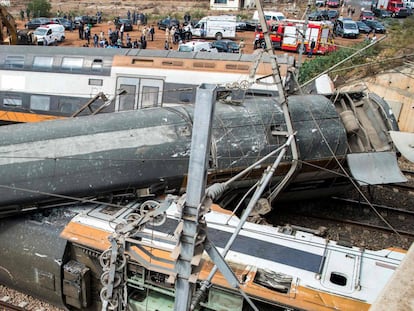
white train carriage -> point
(40, 83)
(276, 267)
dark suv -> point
(85, 19)
(167, 23)
(36, 22)
(227, 46)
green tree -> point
(39, 8)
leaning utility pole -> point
(189, 247)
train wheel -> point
(113, 302)
(105, 279)
(105, 260)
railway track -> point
(386, 219)
(12, 300)
(5, 305)
(369, 216)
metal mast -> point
(190, 243)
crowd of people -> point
(117, 37)
(177, 34)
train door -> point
(137, 93)
(341, 271)
(150, 93)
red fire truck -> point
(287, 35)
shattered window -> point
(12, 101)
(14, 61)
(273, 280)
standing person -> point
(167, 34)
(143, 42)
(121, 30)
(312, 47)
(152, 32)
(96, 40)
(81, 30)
(172, 35)
(87, 35)
(241, 46)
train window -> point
(42, 62)
(14, 61)
(173, 63)
(68, 105)
(12, 101)
(338, 279)
(40, 102)
(97, 82)
(237, 67)
(127, 100)
(97, 65)
(149, 96)
(204, 65)
(72, 63)
(143, 62)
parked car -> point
(366, 15)
(333, 3)
(320, 3)
(50, 34)
(227, 46)
(346, 28)
(246, 25)
(36, 22)
(127, 24)
(363, 28)
(381, 13)
(241, 26)
(197, 46)
(318, 16)
(64, 22)
(375, 25)
(330, 14)
(85, 19)
(250, 25)
(167, 23)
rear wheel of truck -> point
(219, 36)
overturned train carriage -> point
(147, 151)
(62, 257)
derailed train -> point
(135, 154)
(61, 257)
(147, 151)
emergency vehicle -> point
(287, 36)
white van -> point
(50, 34)
(218, 27)
(196, 46)
(271, 17)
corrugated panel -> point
(375, 168)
